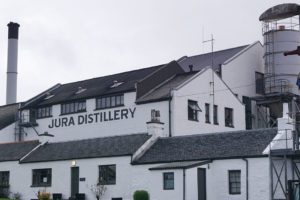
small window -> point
(4, 178)
(74, 107)
(259, 83)
(234, 181)
(216, 119)
(168, 180)
(229, 117)
(110, 101)
(193, 110)
(207, 113)
(107, 174)
(41, 177)
(44, 112)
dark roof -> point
(209, 146)
(162, 92)
(96, 87)
(204, 60)
(8, 115)
(89, 148)
(15, 151)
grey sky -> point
(69, 40)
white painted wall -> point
(100, 129)
(239, 74)
(7, 134)
(200, 90)
(218, 184)
(128, 179)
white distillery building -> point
(176, 130)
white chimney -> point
(155, 126)
(12, 63)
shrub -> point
(141, 195)
(44, 195)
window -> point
(234, 181)
(44, 112)
(41, 177)
(229, 117)
(216, 120)
(4, 179)
(259, 83)
(207, 113)
(107, 174)
(110, 101)
(168, 180)
(73, 107)
(193, 110)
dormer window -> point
(80, 90)
(110, 101)
(116, 84)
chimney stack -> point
(12, 63)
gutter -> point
(247, 178)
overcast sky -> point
(63, 41)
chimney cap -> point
(13, 30)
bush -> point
(141, 195)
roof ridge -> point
(219, 51)
(113, 136)
(220, 133)
(112, 74)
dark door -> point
(201, 184)
(74, 181)
(248, 112)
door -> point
(74, 181)
(201, 184)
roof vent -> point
(116, 84)
(48, 96)
(80, 90)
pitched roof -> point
(8, 115)
(89, 148)
(204, 60)
(96, 87)
(15, 151)
(209, 146)
(162, 92)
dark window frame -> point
(207, 113)
(109, 101)
(4, 179)
(37, 177)
(193, 113)
(44, 112)
(231, 182)
(229, 122)
(73, 107)
(165, 179)
(215, 115)
(104, 180)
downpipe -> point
(247, 178)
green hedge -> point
(141, 195)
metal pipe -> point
(184, 184)
(170, 115)
(247, 178)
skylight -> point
(116, 84)
(48, 96)
(80, 90)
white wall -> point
(128, 179)
(108, 128)
(239, 74)
(218, 184)
(7, 134)
(200, 90)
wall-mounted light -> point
(73, 163)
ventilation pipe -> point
(12, 63)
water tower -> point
(281, 33)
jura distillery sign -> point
(92, 118)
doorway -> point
(74, 181)
(201, 184)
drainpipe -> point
(170, 118)
(184, 180)
(247, 176)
